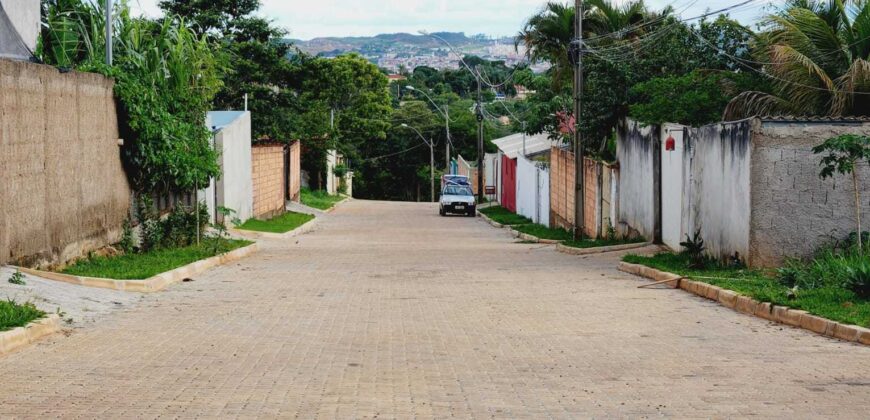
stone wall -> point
(794, 212)
(63, 190)
(268, 176)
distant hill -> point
(378, 44)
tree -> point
(817, 54)
(256, 63)
(547, 36)
(216, 17)
(695, 99)
(844, 153)
(356, 92)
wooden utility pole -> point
(579, 217)
(480, 195)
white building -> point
(19, 28)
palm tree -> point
(618, 22)
(547, 36)
(816, 54)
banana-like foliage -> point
(817, 55)
(166, 78)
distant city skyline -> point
(340, 18)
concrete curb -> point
(490, 221)
(154, 284)
(744, 304)
(531, 238)
(252, 234)
(19, 337)
(334, 206)
(600, 249)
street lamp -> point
(446, 114)
(431, 159)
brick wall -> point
(562, 192)
(268, 174)
(295, 171)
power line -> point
(393, 154)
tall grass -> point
(14, 315)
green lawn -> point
(278, 224)
(543, 232)
(504, 216)
(319, 199)
(831, 302)
(148, 264)
(14, 315)
(595, 243)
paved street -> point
(387, 310)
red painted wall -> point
(509, 183)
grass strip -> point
(831, 302)
(596, 243)
(278, 224)
(319, 199)
(146, 265)
(504, 216)
(13, 315)
(544, 232)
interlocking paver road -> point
(389, 311)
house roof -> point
(512, 145)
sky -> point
(306, 19)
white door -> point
(672, 188)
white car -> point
(457, 199)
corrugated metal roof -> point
(512, 145)
(815, 119)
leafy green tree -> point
(256, 62)
(217, 17)
(817, 54)
(696, 98)
(383, 165)
(843, 154)
(356, 92)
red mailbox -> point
(670, 143)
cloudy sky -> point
(306, 19)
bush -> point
(181, 227)
(833, 266)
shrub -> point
(694, 249)
(838, 267)
(182, 226)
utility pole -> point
(480, 195)
(579, 216)
(447, 143)
(432, 168)
(109, 32)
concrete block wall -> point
(794, 212)
(268, 177)
(63, 190)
